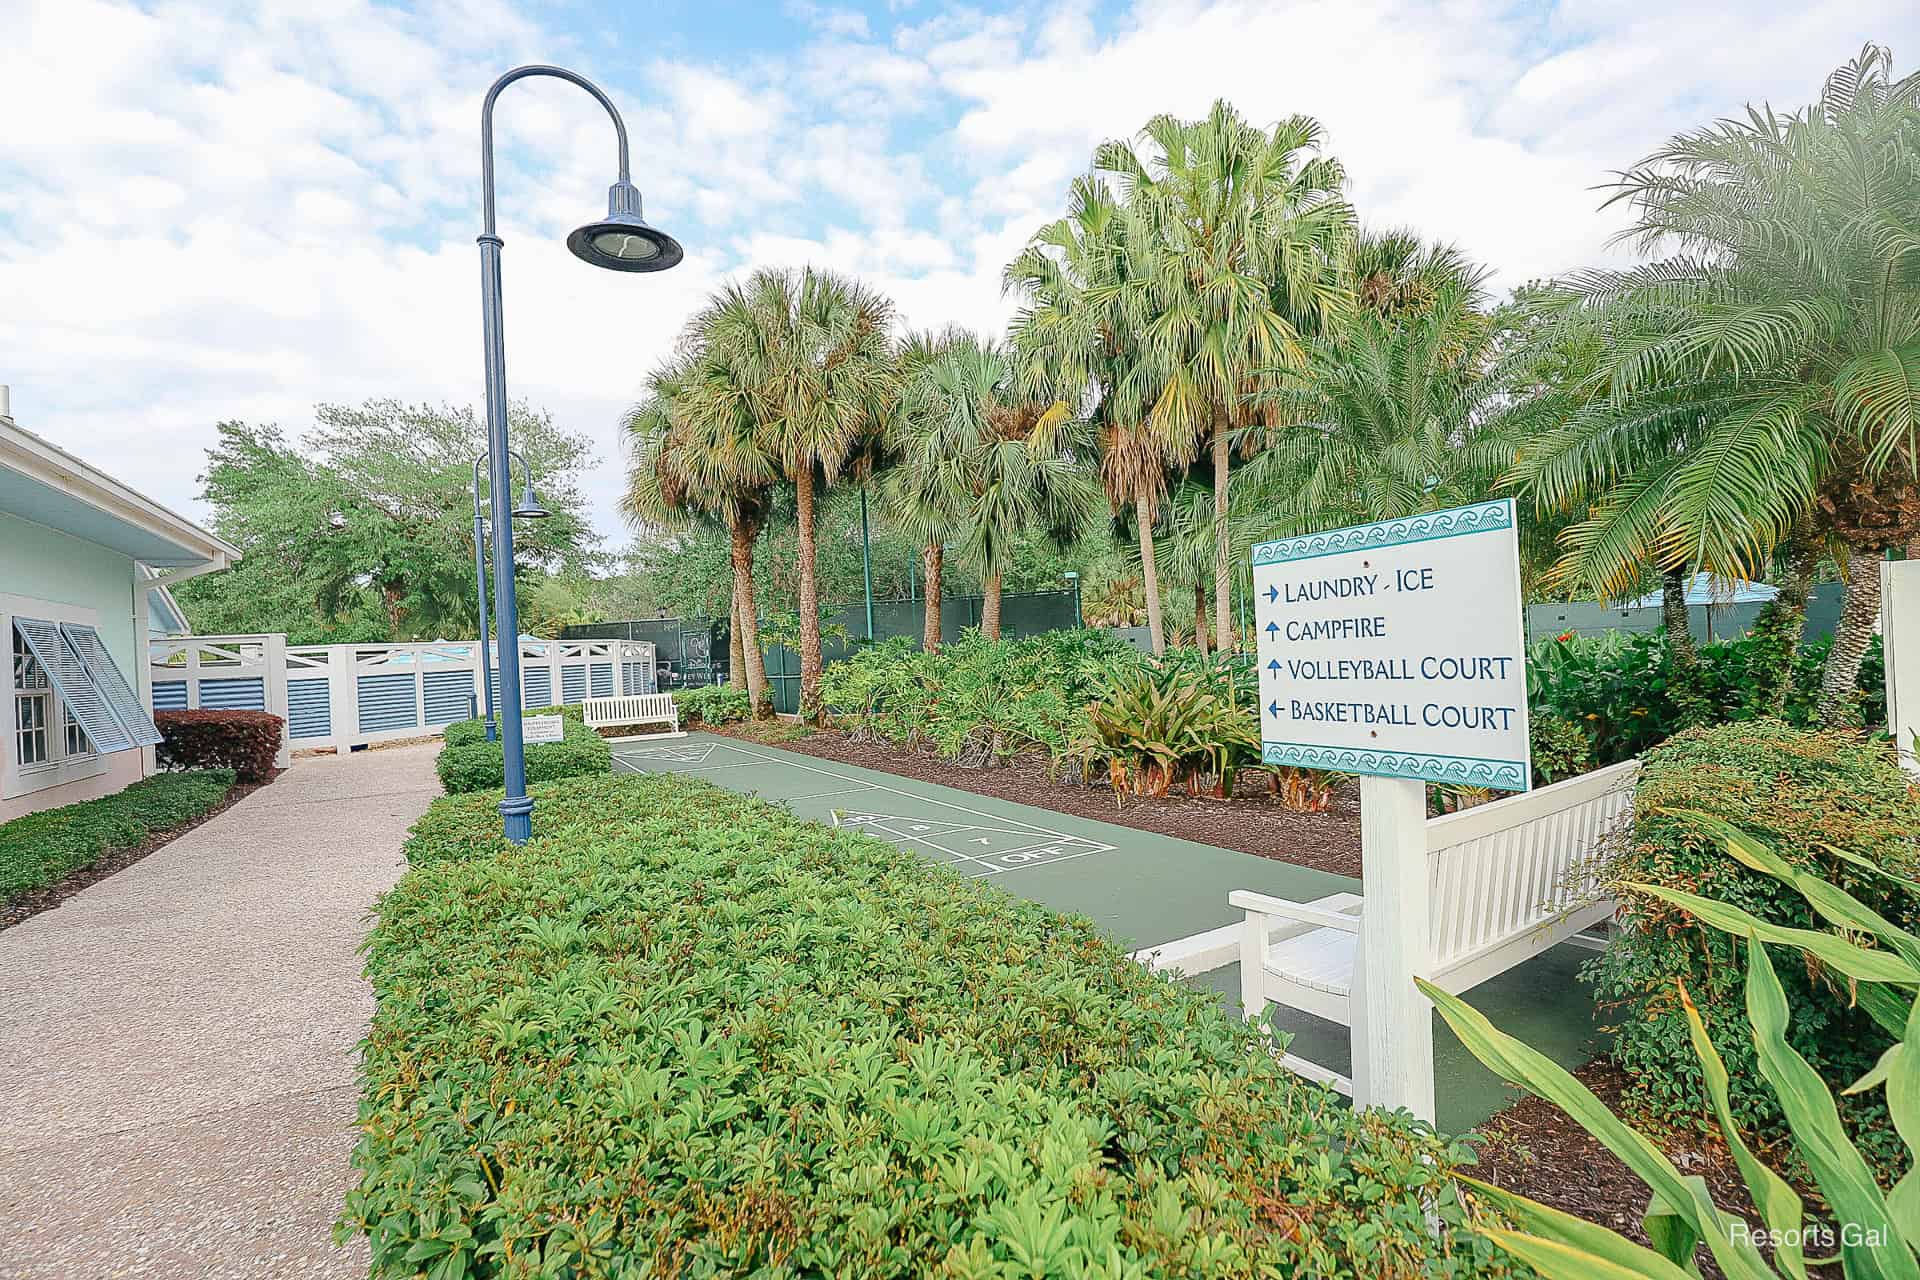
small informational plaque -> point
(541, 729)
(1397, 649)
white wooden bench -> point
(1506, 880)
(636, 708)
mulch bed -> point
(34, 901)
(1252, 822)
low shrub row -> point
(682, 1032)
(468, 762)
(1833, 805)
(713, 704)
(246, 742)
(44, 848)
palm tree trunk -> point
(1783, 620)
(736, 648)
(1673, 613)
(1200, 619)
(810, 661)
(934, 561)
(1858, 614)
(990, 608)
(747, 617)
(1222, 554)
(1150, 580)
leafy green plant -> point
(468, 762)
(1846, 812)
(1561, 750)
(713, 704)
(683, 1032)
(1168, 721)
(1878, 1230)
(45, 847)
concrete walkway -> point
(177, 1042)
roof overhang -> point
(49, 486)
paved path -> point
(177, 1042)
(1145, 888)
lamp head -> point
(624, 241)
(1071, 575)
(527, 508)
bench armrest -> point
(1263, 904)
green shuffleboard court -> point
(1145, 889)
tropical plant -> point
(1383, 420)
(1876, 1229)
(1157, 724)
(924, 487)
(695, 451)
(1765, 375)
(1238, 242)
(808, 363)
(1074, 342)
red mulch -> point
(1252, 822)
(34, 901)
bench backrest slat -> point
(636, 708)
(1502, 868)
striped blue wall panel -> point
(536, 687)
(573, 683)
(449, 696)
(248, 694)
(169, 695)
(494, 682)
(637, 677)
(602, 673)
(309, 708)
(387, 702)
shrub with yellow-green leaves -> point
(682, 1032)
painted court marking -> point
(992, 845)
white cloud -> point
(211, 209)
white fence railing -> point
(350, 695)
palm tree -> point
(695, 453)
(1072, 341)
(924, 488)
(1241, 235)
(1769, 372)
(810, 351)
(1382, 422)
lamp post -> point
(1073, 576)
(525, 509)
(866, 560)
(621, 242)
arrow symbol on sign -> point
(1273, 709)
(1274, 666)
(1273, 628)
(1273, 593)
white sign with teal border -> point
(1397, 649)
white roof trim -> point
(38, 459)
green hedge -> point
(713, 704)
(682, 1032)
(1806, 794)
(468, 762)
(44, 848)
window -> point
(43, 733)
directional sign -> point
(1397, 649)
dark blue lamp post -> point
(525, 509)
(622, 241)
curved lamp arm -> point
(486, 129)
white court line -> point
(691, 768)
(900, 835)
(945, 804)
(827, 795)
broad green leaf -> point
(1842, 1175)
(1836, 953)
(1780, 1208)
(1595, 1246)
(1559, 1261)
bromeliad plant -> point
(1168, 722)
(1878, 1229)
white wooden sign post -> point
(1396, 651)
(1900, 641)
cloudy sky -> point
(237, 210)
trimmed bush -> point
(1806, 794)
(468, 762)
(44, 848)
(713, 704)
(246, 742)
(682, 1032)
